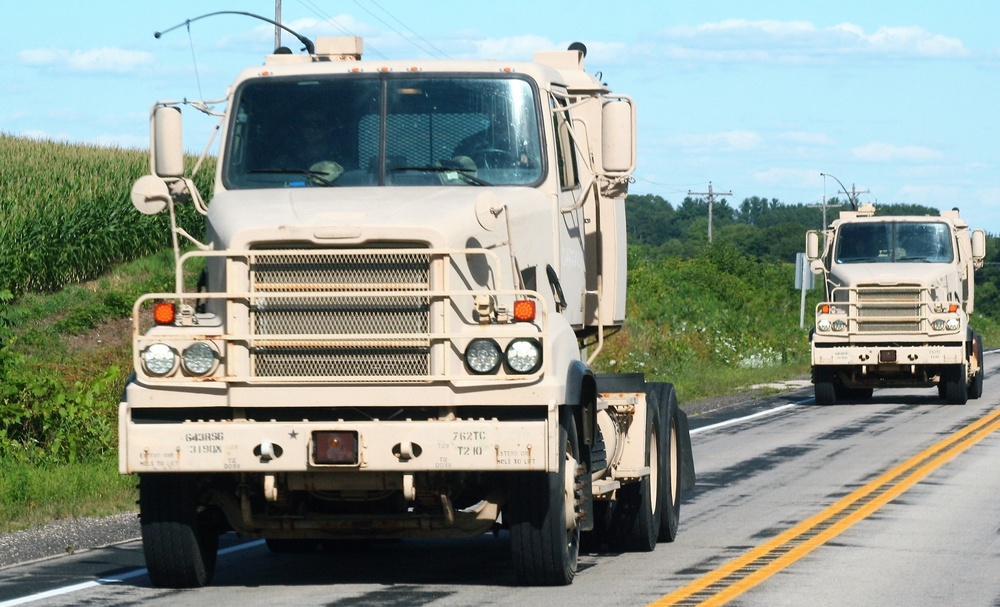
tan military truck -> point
(899, 292)
(389, 327)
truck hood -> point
(438, 216)
(935, 276)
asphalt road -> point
(891, 502)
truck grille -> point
(889, 310)
(342, 315)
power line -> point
(328, 19)
(711, 194)
(433, 48)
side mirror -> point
(812, 245)
(978, 245)
(150, 195)
(618, 136)
(167, 145)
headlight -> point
(938, 324)
(953, 324)
(839, 325)
(823, 325)
(159, 359)
(198, 358)
(524, 355)
(483, 356)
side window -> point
(565, 152)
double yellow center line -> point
(760, 563)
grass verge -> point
(32, 495)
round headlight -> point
(524, 356)
(483, 356)
(953, 324)
(198, 358)
(938, 324)
(823, 325)
(839, 325)
(159, 359)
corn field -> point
(66, 215)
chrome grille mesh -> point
(359, 314)
(889, 310)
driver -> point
(311, 145)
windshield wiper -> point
(317, 175)
(463, 173)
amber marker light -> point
(164, 313)
(524, 310)
(825, 309)
(953, 308)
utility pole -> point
(277, 20)
(711, 199)
(823, 205)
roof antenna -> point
(309, 46)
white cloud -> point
(516, 47)
(798, 178)
(101, 60)
(742, 40)
(806, 138)
(887, 152)
(931, 195)
(726, 140)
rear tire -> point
(544, 515)
(179, 539)
(636, 517)
(670, 497)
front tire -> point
(544, 512)
(956, 387)
(976, 385)
(179, 539)
(826, 389)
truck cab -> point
(388, 329)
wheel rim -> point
(654, 468)
(569, 493)
(674, 464)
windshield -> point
(383, 130)
(894, 242)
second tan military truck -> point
(898, 295)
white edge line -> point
(738, 420)
(112, 579)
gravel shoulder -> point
(82, 534)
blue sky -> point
(896, 97)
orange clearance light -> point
(524, 310)
(825, 308)
(164, 313)
(953, 308)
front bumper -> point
(404, 446)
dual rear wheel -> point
(545, 510)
